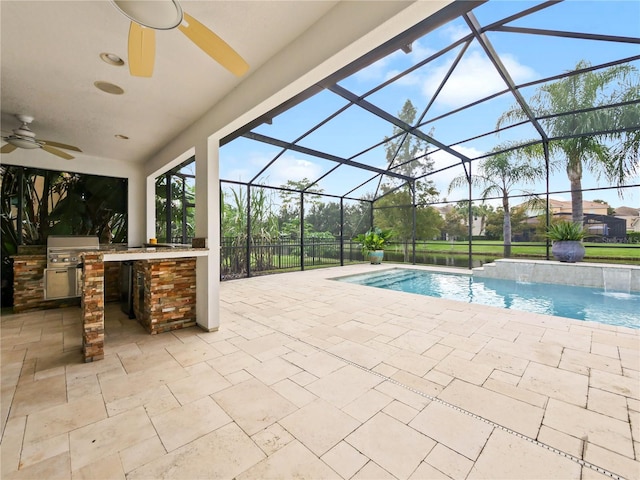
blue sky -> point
(526, 57)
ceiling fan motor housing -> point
(24, 131)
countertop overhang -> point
(151, 254)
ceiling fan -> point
(147, 17)
(24, 137)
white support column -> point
(207, 219)
(150, 205)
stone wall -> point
(28, 285)
(169, 298)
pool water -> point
(592, 304)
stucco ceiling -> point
(50, 61)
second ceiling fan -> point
(147, 17)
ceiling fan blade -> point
(213, 45)
(60, 145)
(57, 152)
(142, 50)
(8, 148)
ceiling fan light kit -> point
(21, 142)
(24, 137)
(159, 15)
(146, 17)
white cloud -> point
(442, 159)
(288, 167)
(376, 71)
(419, 52)
(475, 77)
(456, 32)
(381, 71)
(246, 165)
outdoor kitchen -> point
(160, 290)
(51, 276)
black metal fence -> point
(292, 254)
(236, 261)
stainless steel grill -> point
(62, 277)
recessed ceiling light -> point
(111, 59)
(108, 88)
(121, 137)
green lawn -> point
(491, 247)
(596, 252)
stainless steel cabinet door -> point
(59, 283)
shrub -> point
(566, 231)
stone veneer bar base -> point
(581, 274)
(169, 298)
(28, 285)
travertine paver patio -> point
(312, 378)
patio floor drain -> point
(566, 455)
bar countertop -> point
(123, 254)
(152, 253)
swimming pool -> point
(592, 304)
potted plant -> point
(567, 241)
(373, 243)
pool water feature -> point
(581, 303)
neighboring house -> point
(631, 216)
(596, 221)
(592, 208)
(562, 207)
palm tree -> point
(482, 211)
(498, 176)
(477, 211)
(615, 152)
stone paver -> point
(595, 427)
(493, 406)
(508, 457)
(393, 445)
(312, 378)
(253, 405)
(319, 426)
(557, 383)
(444, 425)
